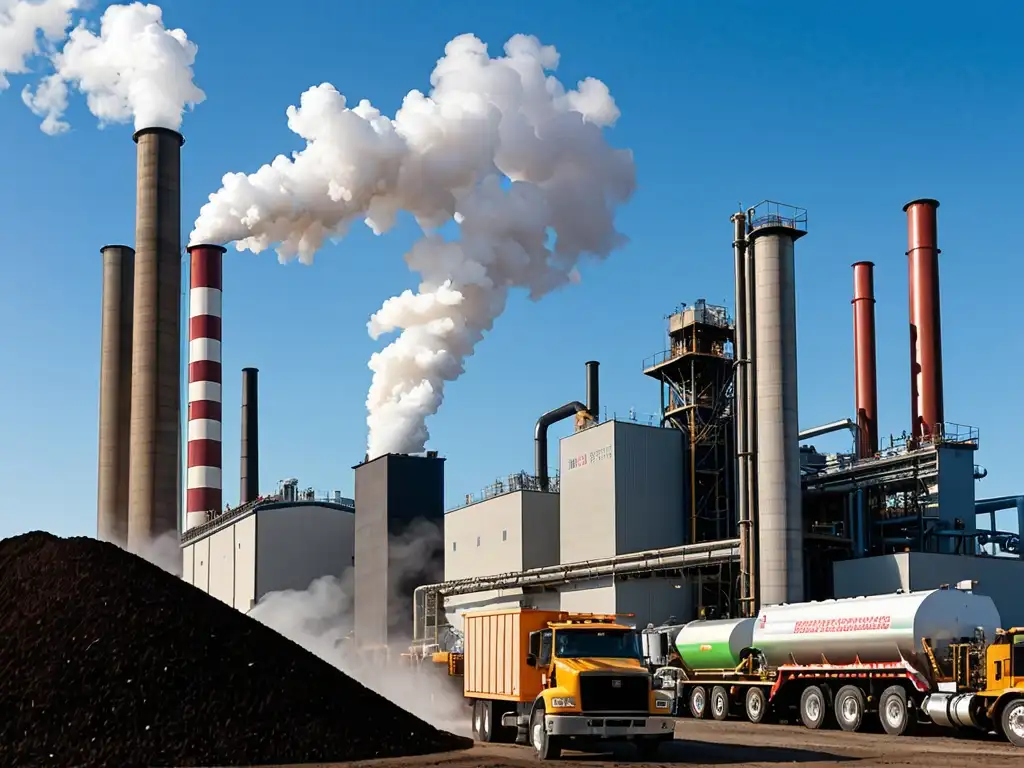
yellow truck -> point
(558, 680)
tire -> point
(719, 703)
(698, 702)
(1012, 722)
(894, 711)
(755, 704)
(487, 723)
(813, 707)
(547, 748)
(478, 713)
(849, 708)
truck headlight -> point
(563, 702)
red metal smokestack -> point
(865, 375)
(926, 409)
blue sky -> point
(848, 116)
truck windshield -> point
(597, 643)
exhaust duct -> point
(540, 432)
(204, 477)
(865, 373)
(926, 406)
(155, 432)
(249, 485)
(115, 393)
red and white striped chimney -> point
(204, 489)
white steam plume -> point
(500, 147)
(27, 28)
(320, 620)
(133, 69)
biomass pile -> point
(106, 660)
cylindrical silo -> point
(115, 393)
(153, 489)
(780, 529)
(250, 454)
(204, 483)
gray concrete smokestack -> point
(115, 393)
(250, 469)
(153, 488)
(780, 522)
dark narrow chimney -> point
(926, 406)
(593, 389)
(250, 474)
(865, 374)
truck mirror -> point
(531, 660)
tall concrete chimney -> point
(153, 486)
(780, 517)
(250, 465)
(204, 483)
(115, 393)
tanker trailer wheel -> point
(894, 711)
(719, 703)
(850, 703)
(698, 702)
(756, 704)
(1012, 722)
(813, 707)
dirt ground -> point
(737, 744)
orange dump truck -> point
(553, 679)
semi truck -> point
(554, 680)
(930, 656)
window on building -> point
(453, 546)
(504, 535)
(478, 541)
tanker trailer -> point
(839, 659)
(843, 658)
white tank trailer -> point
(834, 656)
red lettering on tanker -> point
(852, 624)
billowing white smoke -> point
(500, 147)
(320, 620)
(133, 69)
(27, 28)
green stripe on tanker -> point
(714, 644)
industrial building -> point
(721, 507)
(268, 546)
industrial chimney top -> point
(769, 214)
(922, 201)
(166, 131)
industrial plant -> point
(720, 508)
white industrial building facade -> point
(269, 547)
(620, 492)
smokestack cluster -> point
(204, 482)
(926, 407)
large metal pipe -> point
(593, 389)
(740, 405)
(926, 407)
(249, 484)
(780, 526)
(204, 480)
(540, 438)
(865, 375)
(156, 344)
(115, 393)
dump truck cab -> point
(1004, 684)
(595, 687)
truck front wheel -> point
(547, 746)
(1012, 722)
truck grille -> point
(614, 693)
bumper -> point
(611, 727)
